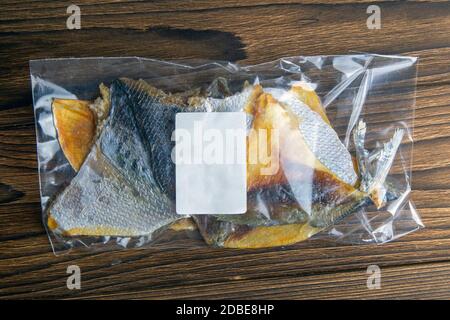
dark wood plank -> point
(234, 33)
(415, 266)
(429, 281)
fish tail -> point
(377, 189)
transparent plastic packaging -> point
(341, 126)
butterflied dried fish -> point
(314, 186)
(123, 187)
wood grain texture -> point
(415, 266)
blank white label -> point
(210, 157)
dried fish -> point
(312, 188)
(305, 183)
(123, 187)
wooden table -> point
(416, 266)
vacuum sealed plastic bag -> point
(137, 151)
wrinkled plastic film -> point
(343, 142)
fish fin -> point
(75, 124)
(377, 188)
